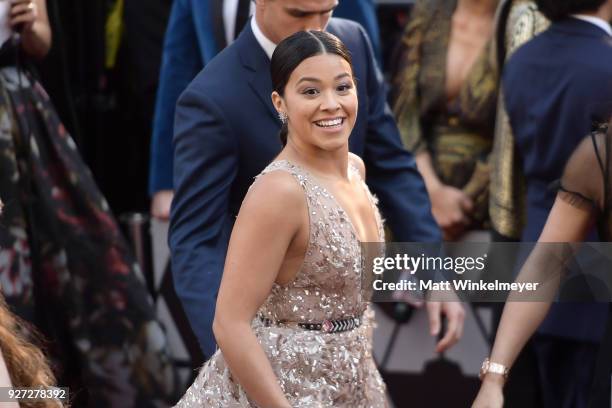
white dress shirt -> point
(230, 12)
(599, 22)
(267, 45)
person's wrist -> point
(433, 186)
(494, 380)
(159, 193)
(493, 369)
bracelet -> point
(490, 367)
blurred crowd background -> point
(102, 73)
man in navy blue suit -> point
(226, 132)
(557, 87)
(197, 31)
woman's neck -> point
(478, 7)
(324, 164)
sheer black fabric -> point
(586, 184)
(586, 180)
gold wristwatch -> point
(490, 367)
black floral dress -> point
(64, 265)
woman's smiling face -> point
(320, 101)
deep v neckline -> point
(451, 105)
(339, 206)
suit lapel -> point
(255, 60)
(262, 84)
(218, 23)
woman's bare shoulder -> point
(358, 163)
(273, 192)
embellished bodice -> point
(329, 284)
(316, 368)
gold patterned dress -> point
(506, 205)
(458, 134)
(316, 330)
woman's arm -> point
(566, 224)
(29, 18)
(520, 319)
(272, 216)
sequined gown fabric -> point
(314, 369)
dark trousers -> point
(552, 372)
(601, 392)
(566, 371)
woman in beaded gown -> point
(583, 202)
(292, 319)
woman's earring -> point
(282, 116)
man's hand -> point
(160, 204)
(455, 314)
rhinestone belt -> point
(326, 326)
